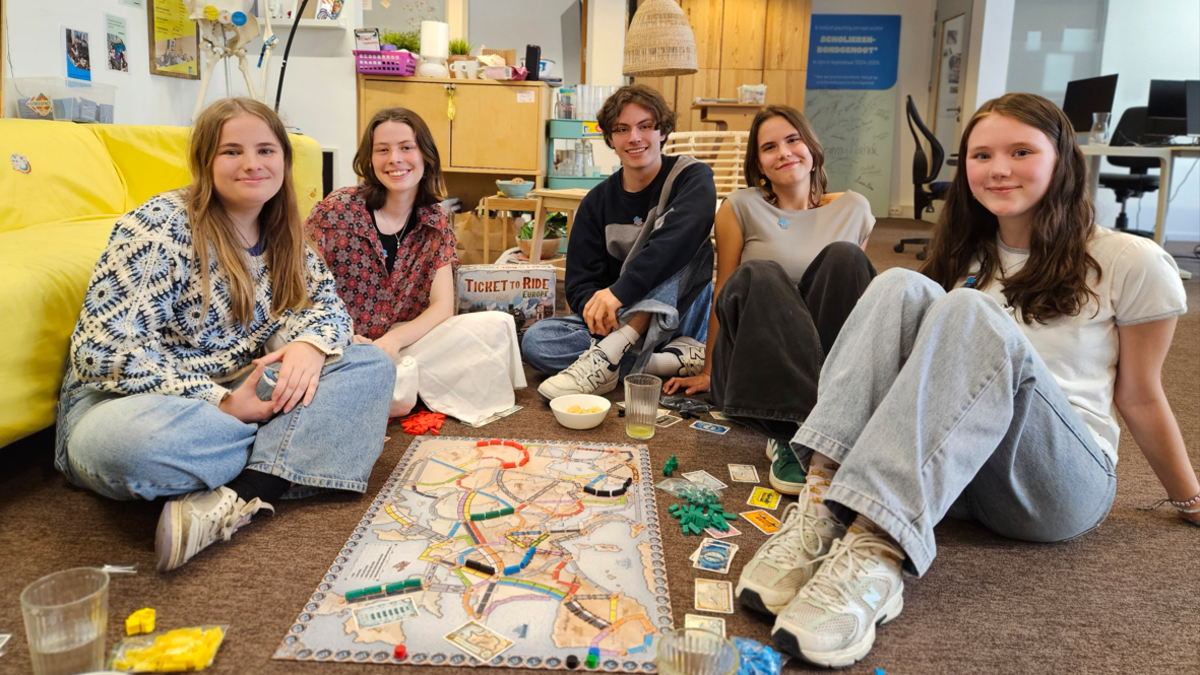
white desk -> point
(1166, 161)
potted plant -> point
(552, 235)
(409, 41)
(460, 50)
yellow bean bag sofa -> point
(64, 189)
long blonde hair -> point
(279, 220)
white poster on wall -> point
(855, 130)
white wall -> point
(1157, 40)
(319, 92)
(513, 24)
(916, 48)
(987, 60)
(33, 42)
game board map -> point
(533, 551)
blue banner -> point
(853, 51)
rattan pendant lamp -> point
(659, 42)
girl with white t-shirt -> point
(982, 388)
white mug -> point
(468, 70)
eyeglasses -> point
(622, 130)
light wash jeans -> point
(932, 400)
(151, 445)
(551, 345)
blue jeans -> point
(551, 345)
(151, 445)
(936, 402)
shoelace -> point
(234, 518)
(840, 565)
(593, 359)
(796, 523)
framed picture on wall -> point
(174, 40)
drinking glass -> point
(1099, 134)
(66, 616)
(695, 651)
(641, 405)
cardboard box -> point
(468, 233)
(510, 55)
(524, 291)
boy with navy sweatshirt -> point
(639, 261)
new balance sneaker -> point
(787, 476)
(191, 523)
(788, 559)
(831, 622)
(592, 373)
(690, 353)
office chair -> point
(923, 173)
(1137, 182)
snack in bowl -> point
(580, 411)
(576, 410)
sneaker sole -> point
(599, 392)
(847, 656)
(164, 536)
(785, 487)
(751, 599)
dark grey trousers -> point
(774, 336)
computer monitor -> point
(1084, 97)
(1166, 111)
(1192, 89)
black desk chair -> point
(923, 172)
(1137, 182)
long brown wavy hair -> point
(753, 172)
(432, 187)
(213, 229)
(1054, 280)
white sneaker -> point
(786, 561)
(189, 524)
(690, 353)
(592, 373)
(832, 620)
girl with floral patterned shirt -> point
(391, 249)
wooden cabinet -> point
(498, 130)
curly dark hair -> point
(664, 117)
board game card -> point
(711, 428)
(493, 417)
(704, 478)
(714, 596)
(743, 473)
(715, 556)
(764, 498)
(713, 623)
(665, 421)
(479, 641)
(717, 534)
(718, 416)
(765, 522)
(4, 638)
(385, 613)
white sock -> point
(618, 342)
(664, 364)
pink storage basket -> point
(385, 63)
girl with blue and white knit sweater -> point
(213, 357)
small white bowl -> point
(577, 420)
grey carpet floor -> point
(1120, 599)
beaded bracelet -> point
(1194, 501)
